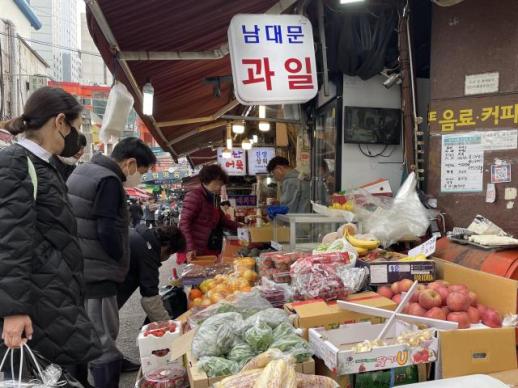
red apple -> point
(458, 301)
(491, 318)
(415, 297)
(405, 284)
(429, 298)
(385, 291)
(416, 309)
(443, 292)
(458, 288)
(461, 318)
(474, 315)
(473, 298)
(435, 313)
(481, 308)
(446, 310)
(397, 298)
(395, 288)
(406, 309)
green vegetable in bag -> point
(216, 335)
(241, 353)
(283, 330)
(295, 346)
(259, 336)
(272, 316)
(218, 366)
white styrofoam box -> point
(472, 381)
(155, 351)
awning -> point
(128, 32)
(135, 192)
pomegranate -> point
(458, 301)
(385, 291)
(461, 318)
(429, 298)
(436, 313)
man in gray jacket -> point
(294, 188)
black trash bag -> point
(175, 301)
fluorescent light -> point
(268, 181)
(238, 128)
(246, 145)
(264, 126)
(262, 111)
(226, 154)
(229, 143)
(255, 139)
(350, 1)
(147, 99)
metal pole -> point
(322, 34)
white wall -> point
(358, 169)
(10, 11)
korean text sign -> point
(236, 164)
(273, 59)
(258, 159)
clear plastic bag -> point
(272, 317)
(355, 279)
(261, 360)
(259, 336)
(278, 294)
(172, 376)
(241, 352)
(340, 245)
(118, 107)
(390, 221)
(218, 366)
(216, 335)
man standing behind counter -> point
(294, 188)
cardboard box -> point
(509, 377)
(264, 234)
(383, 272)
(387, 378)
(155, 352)
(317, 313)
(344, 381)
(334, 347)
(199, 379)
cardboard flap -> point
(466, 352)
(182, 345)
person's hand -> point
(191, 255)
(14, 327)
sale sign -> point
(236, 164)
(273, 59)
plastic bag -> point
(272, 317)
(283, 330)
(259, 336)
(277, 374)
(295, 346)
(216, 335)
(404, 218)
(278, 294)
(172, 376)
(355, 279)
(218, 366)
(241, 352)
(118, 107)
(339, 245)
(314, 381)
(261, 360)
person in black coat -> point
(41, 264)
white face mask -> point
(133, 180)
(71, 161)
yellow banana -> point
(367, 244)
(361, 251)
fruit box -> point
(317, 313)
(264, 234)
(335, 348)
(199, 379)
(155, 348)
(383, 271)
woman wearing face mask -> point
(64, 165)
(202, 221)
(41, 265)
(98, 199)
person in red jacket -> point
(201, 221)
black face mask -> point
(72, 146)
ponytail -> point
(15, 126)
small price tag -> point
(243, 234)
(427, 248)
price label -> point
(427, 248)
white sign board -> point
(462, 163)
(427, 248)
(273, 59)
(258, 159)
(234, 166)
(481, 83)
(500, 140)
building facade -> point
(93, 69)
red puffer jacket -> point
(199, 218)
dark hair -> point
(82, 140)
(225, 203)
(43, 104)
(132, 147)
(211, 173)
(171, 237)
(277, 161)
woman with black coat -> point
(41, 266)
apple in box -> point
(155, 341)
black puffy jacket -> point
(41, 266)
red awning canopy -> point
(135, 192)
(125, 29)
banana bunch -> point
(419, 257)
(361, 246)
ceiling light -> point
(238, 128)
(229, 143)
(264, 126)
(255, 139)
(262, 111)
(268, 181)
(147, 99)
(350, 1)
(226, 154)
(246, 145)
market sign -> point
(165, 176)
(236, 165)
(273, 59)
(258, 159)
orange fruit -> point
(216, 297)
(196, 302)
(250, 275)
(205, 302)
(245, 289)
(195, 293)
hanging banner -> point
(273, 59)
